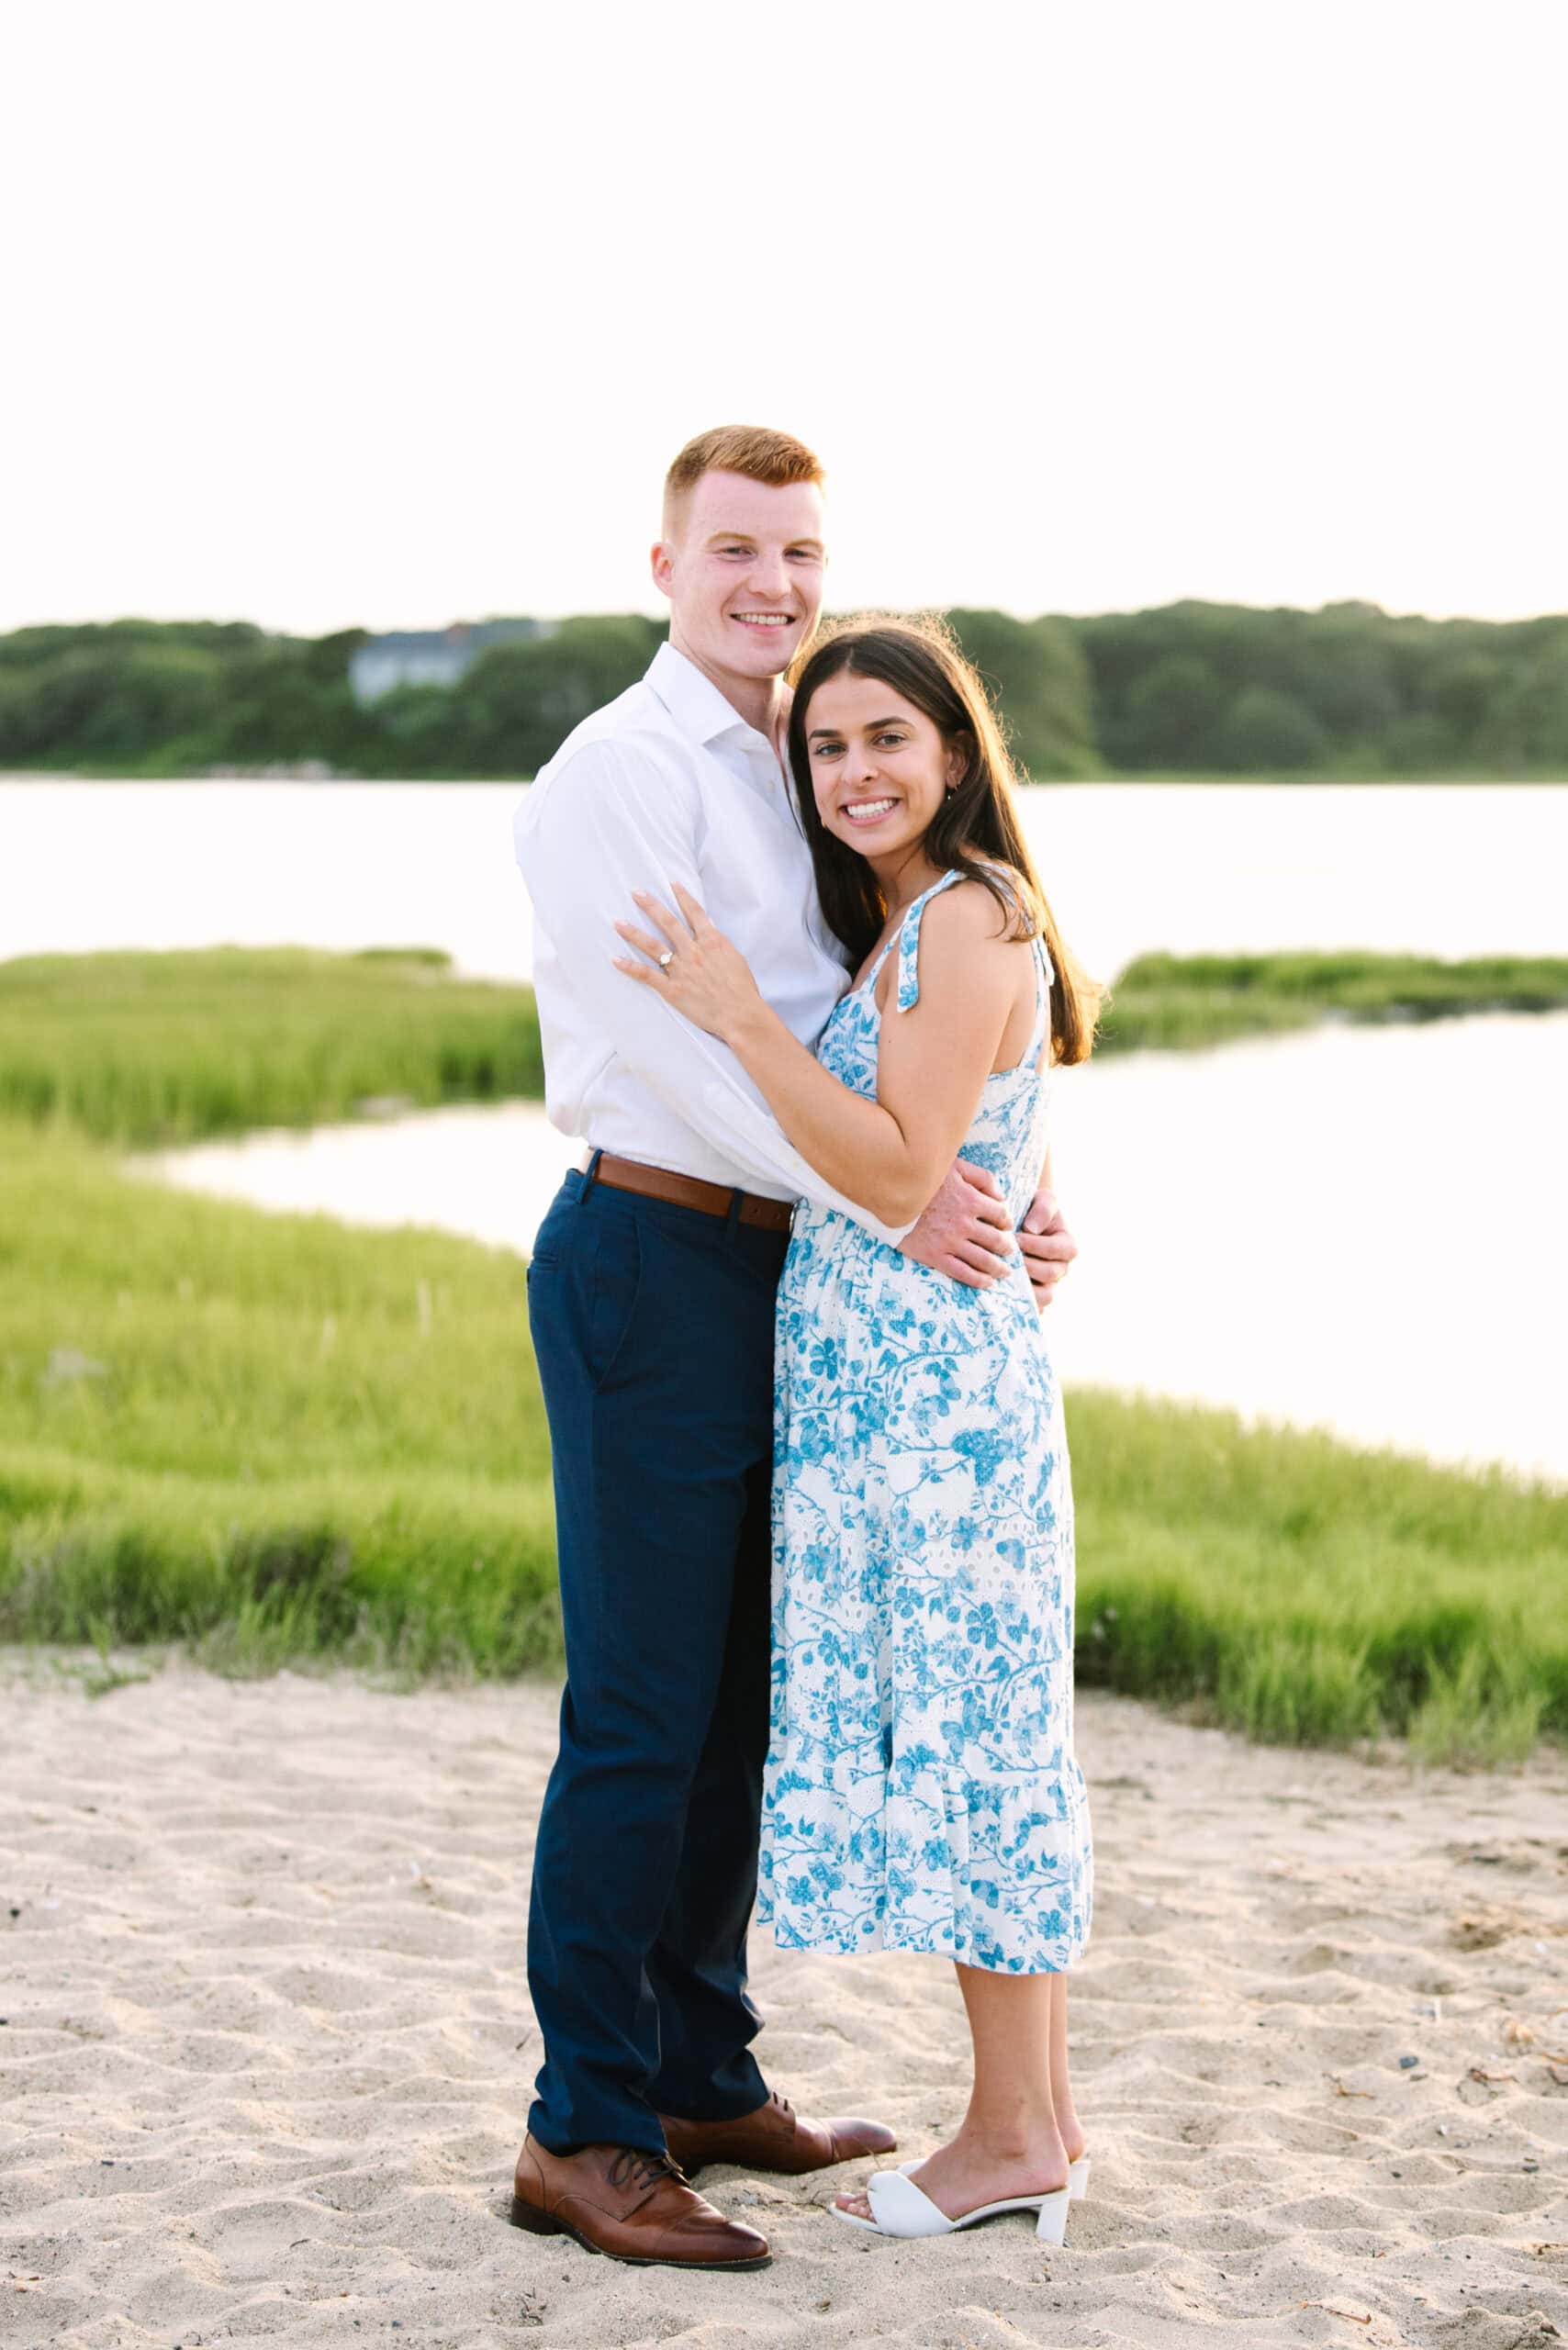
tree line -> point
(1190, 689)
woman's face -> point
(880, 766)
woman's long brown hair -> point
(976, 826)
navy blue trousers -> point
(652, 1327)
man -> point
(651, 1294)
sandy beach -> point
(266, 2048)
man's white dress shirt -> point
(667, 783)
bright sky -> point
(336, 311)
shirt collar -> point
(694, 702)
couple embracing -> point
(798, 990)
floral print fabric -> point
(922, 1791)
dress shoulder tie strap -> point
(909, 942)
(1040, 1034)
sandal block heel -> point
(1051, 2225)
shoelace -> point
(634, 2166)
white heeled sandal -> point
(899, 2208)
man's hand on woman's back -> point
(965, 1232)
(1049, 1247)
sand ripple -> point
(267, 2049)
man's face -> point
(743, 570)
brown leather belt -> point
(688, 1191)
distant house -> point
(430, 656)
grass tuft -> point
(1487, 1709)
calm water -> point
(1356, 1229)
(1451, 869)
(1359, 1228)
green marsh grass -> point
(144, 1049)
(1166, 1002)
(1308, 1593)
(281, 1433)
(274, 1438)
(155, 1048)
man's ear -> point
(660, 564)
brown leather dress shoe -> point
(775, 2137)
(633, 2205)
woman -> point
(922, 1792)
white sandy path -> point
(267, 2048)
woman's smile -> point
(859, 728)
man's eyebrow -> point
(727, 538)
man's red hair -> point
(748, 449)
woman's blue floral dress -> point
(922, 1791)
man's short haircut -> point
(749, 449)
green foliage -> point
(128, 706)
(1192, 689)
(142, 696)
(148, 1048)
(1265, 731)
(1038, 672)
(417, 735)
(1526, 722)
(1218, 688)
(1173, 705)
(519, 702)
